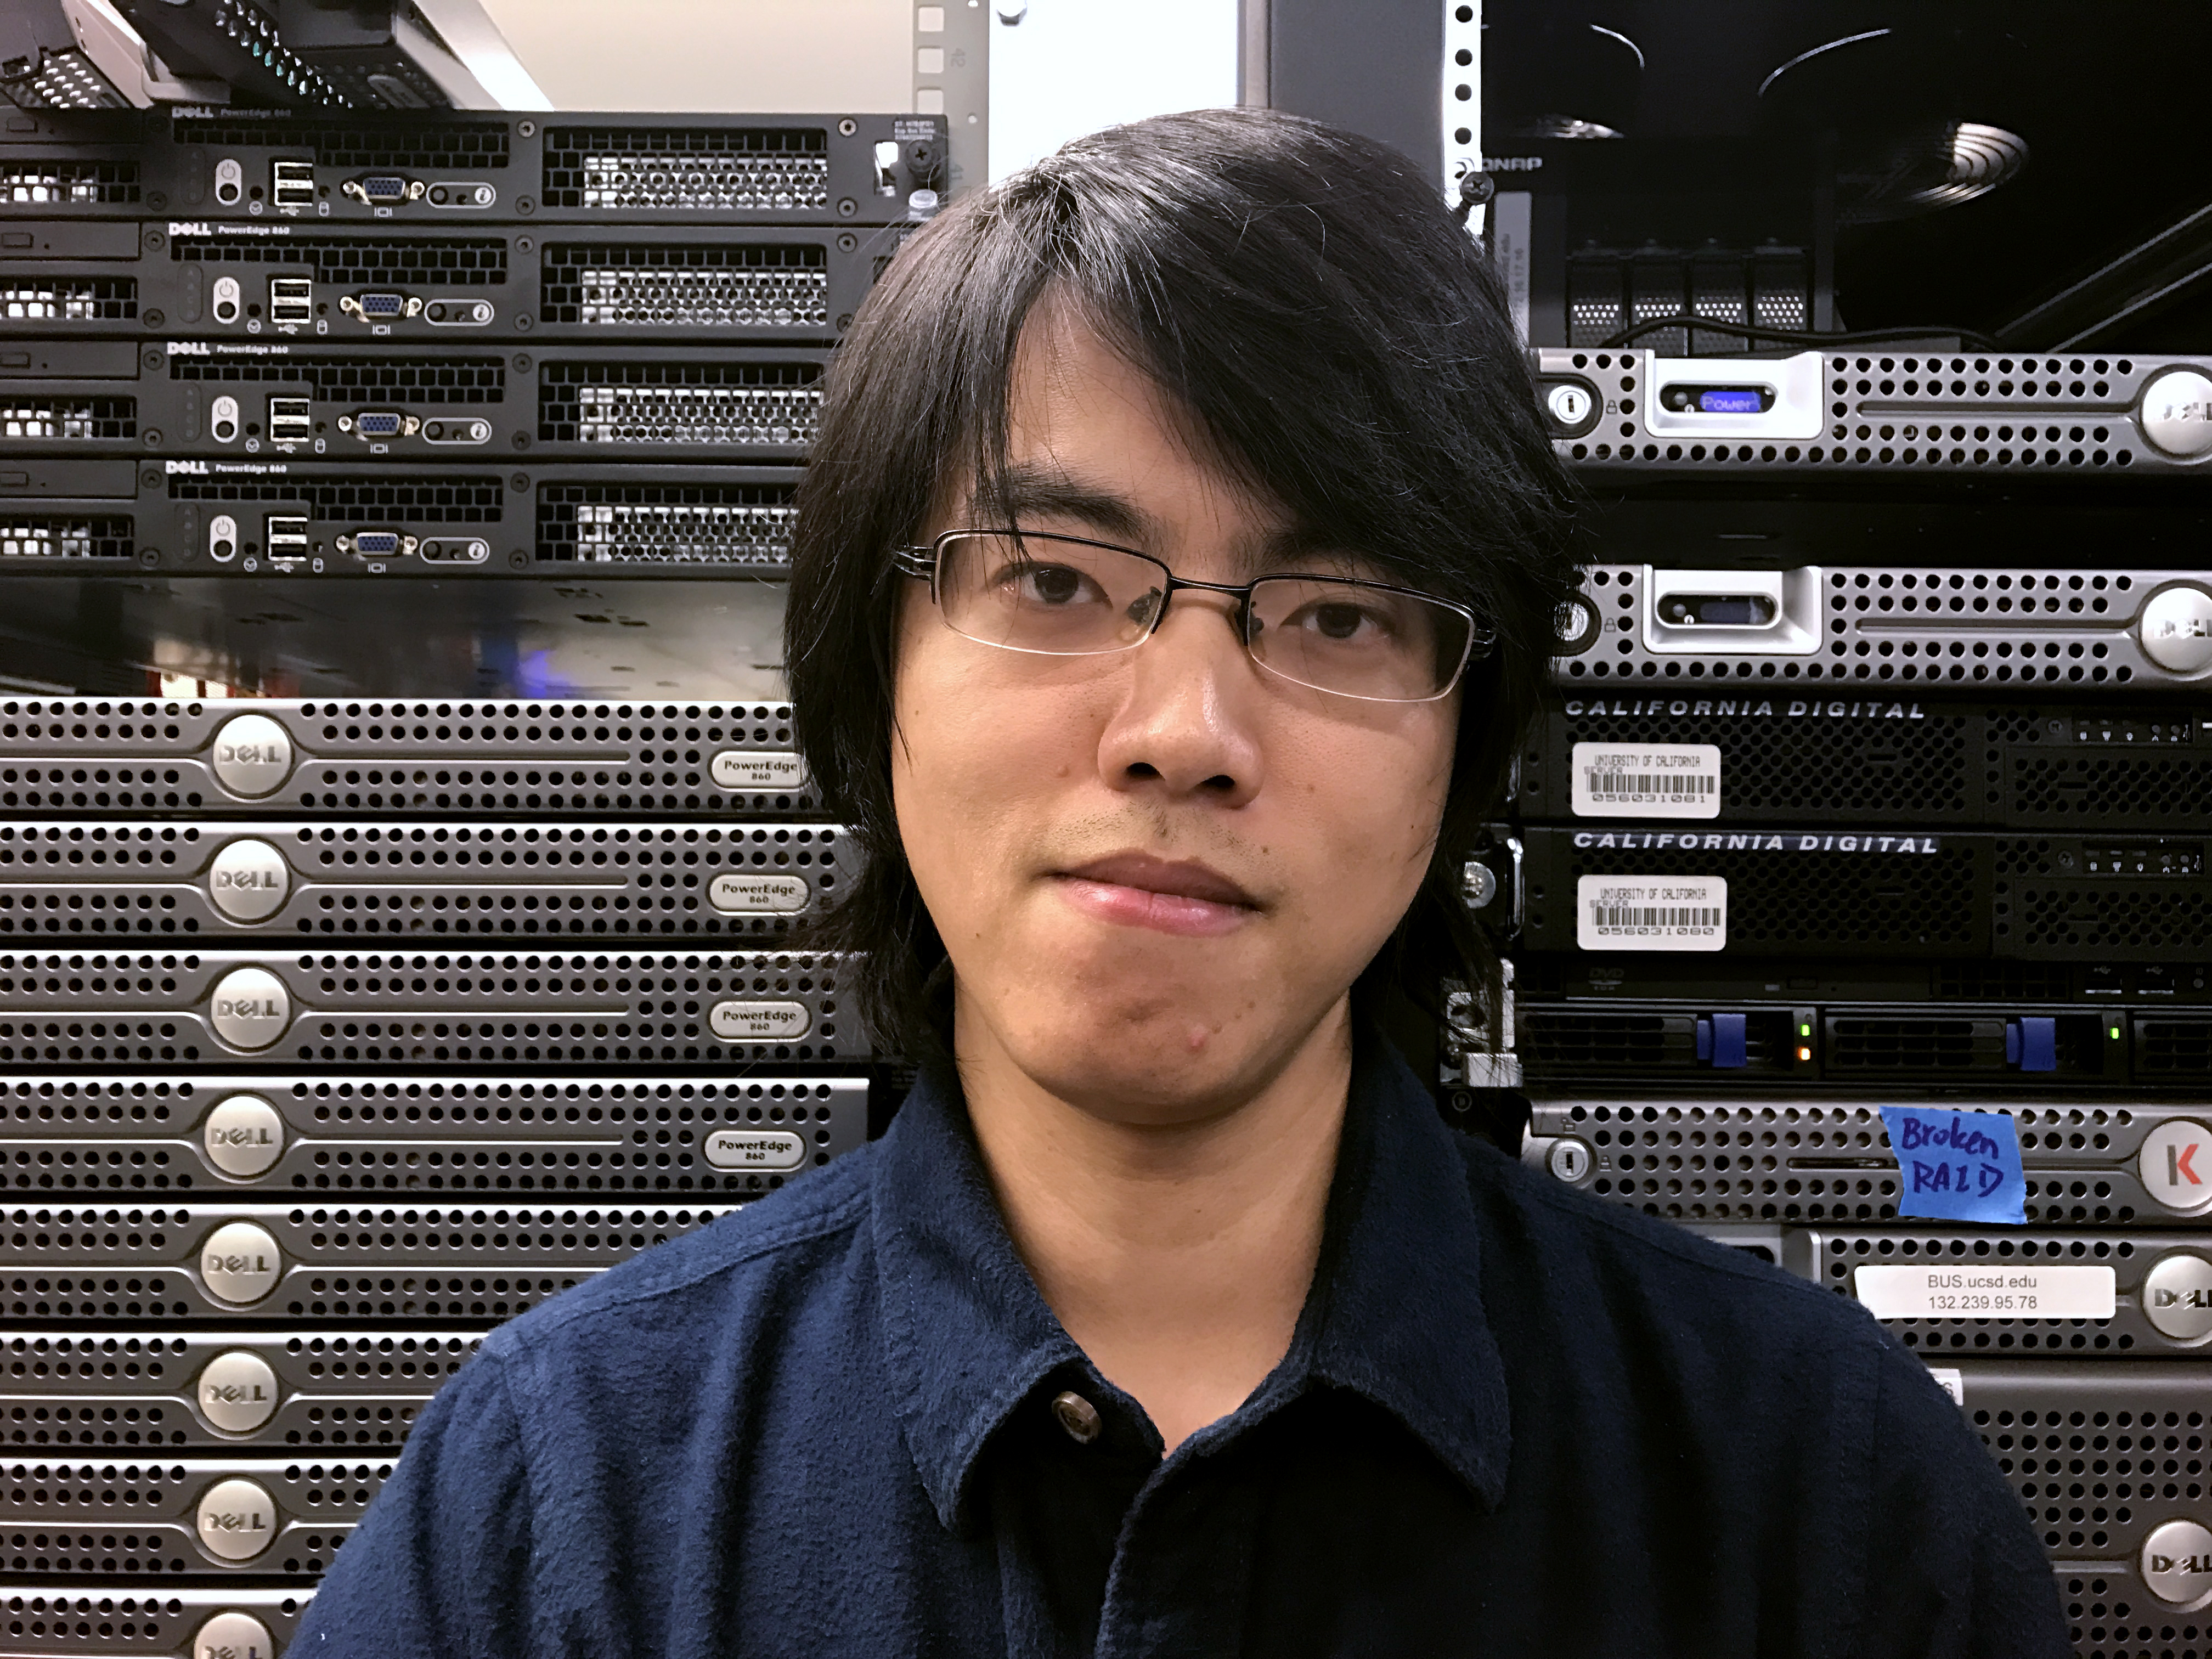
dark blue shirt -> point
(1512, 1421)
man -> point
(1174, 573)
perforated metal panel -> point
(422, 1133)
(2130, 1254)
(552, 1007)
(120, 1391)
(1804, 1158)
(90, 1267)
(1891, 631)
(70, 1517)
(426, 880)
(80, 756)
(160, 1622)
(1887, 412)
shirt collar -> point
(1396, 1313)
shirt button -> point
(1077, 1415)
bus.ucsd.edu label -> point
(1633, 911)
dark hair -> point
(1333, 336)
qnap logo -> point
(1511, 163)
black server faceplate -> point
(167, 1621)
(1785, 631)
(92, 1269)
(245, 280)
(467, 759)
(1967, 982)
(1865, 891)
(2000, 1044)
(191, 1517)
(1809, 1158)
(545, 1007)
(126, 1391)
(1750, 758)
(410, 403)
(423, 879)
(399, 1132)
(329, 518)
(445, 167)
(1901, 414)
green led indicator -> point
(2116, 1034)
(1804, 1029)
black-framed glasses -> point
(1066, 596)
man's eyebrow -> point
(1027, 492)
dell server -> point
(428, 759)
(90, 1266)
(1907, 759)
(250, 279)
(445, 1007)
(421, 1133)
(1782, 633)
(173, 1620)
(317, 518)
(1897, 412)
(2034, 1292)
(395, 1132)
(410, 403)
(202, 1517)
(1804, 1158)
(1867, 891)
(435, 167)
(421, 878)
(244, 1390)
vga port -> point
(379, 307)
(373, 425)
(376, 544)
(383, 189)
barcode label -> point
(1635, 913)
(1678, 780)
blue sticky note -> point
(1957, 1166)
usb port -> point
(287, 537)
(288, 417)
(292, 183)
(291, 299)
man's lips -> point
(1172, 896)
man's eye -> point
(1339, 622)
(1046, 584)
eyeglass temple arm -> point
(915, 561)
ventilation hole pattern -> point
(665, 524)
(444, 142)
(39, 182)
(79, 420)
(750, 286)
(68, 299)
(447, 380)
(706, 170)
(465, 500)
(617, 403)
(449, 261)
(35, 536)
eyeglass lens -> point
(1060, 598)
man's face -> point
(1156, 872)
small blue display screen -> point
(1728, 400)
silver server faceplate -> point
(186, 1517)
(1802, 1158)
(121, 1391)
(417, 1133)
(421, 879)
(164, 1621)
(428, 759)
(102, 1267)
(585, 1008)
